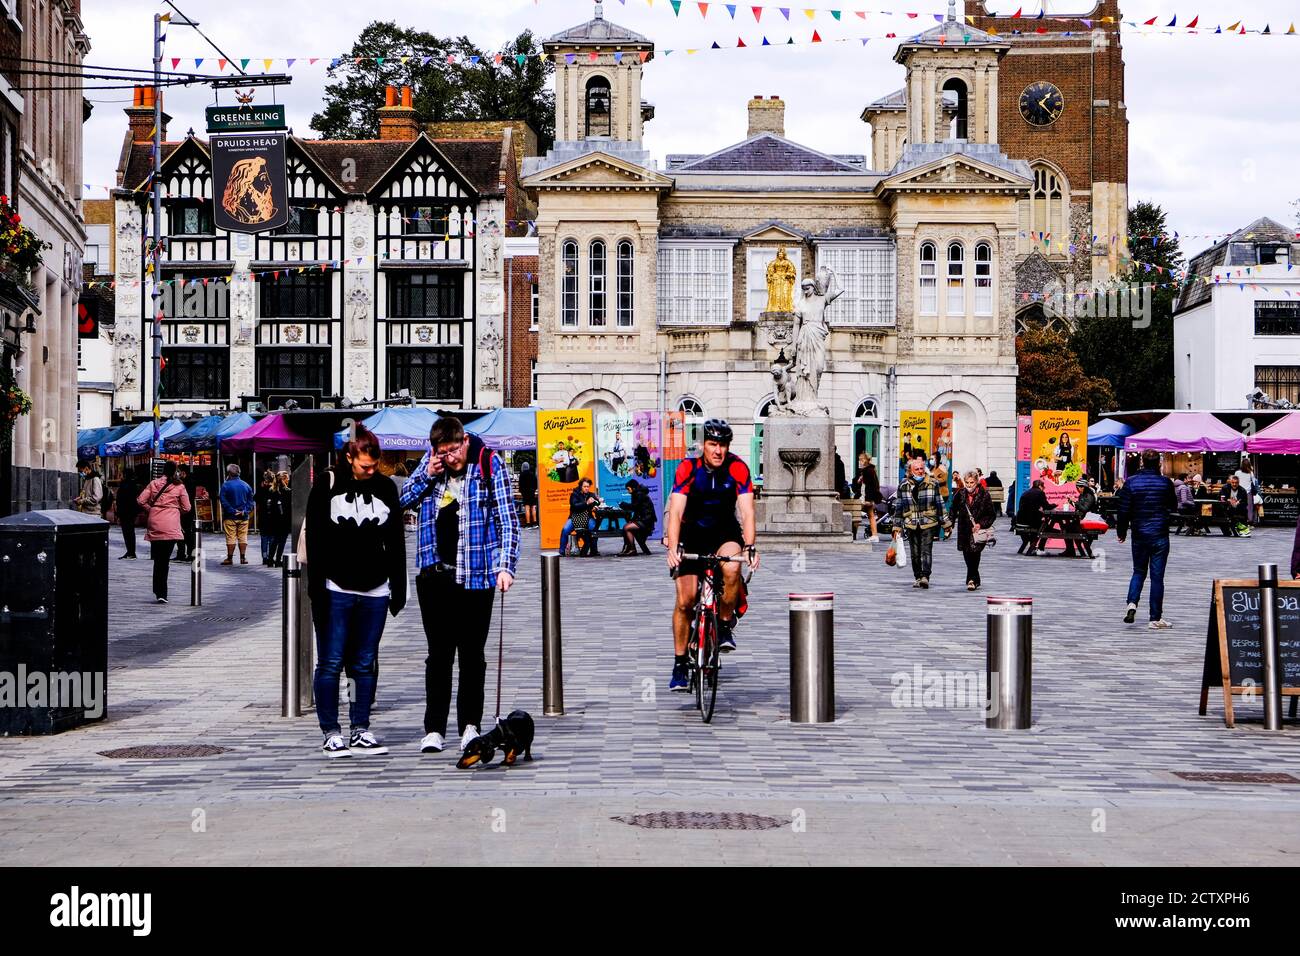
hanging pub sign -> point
(88, 317)
(250, 186)
(244, 118)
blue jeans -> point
(347, 635)
(564, 535)
(1152, 553)
(266, 546)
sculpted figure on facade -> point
(491, 247)
(126, 361)
(489, 345)
(359, 311)
(781, 276)
(811, 335)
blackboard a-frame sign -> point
(1234, 655)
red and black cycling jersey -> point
(711, 494)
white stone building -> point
(1240, 333)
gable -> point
(957, 173)
(598, 171)
(306, 179)
(768, 153)
(186, 172)
(775, 232)
(424, 172)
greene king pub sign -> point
(238, 119)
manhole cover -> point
(163, 752)
(676, 820)
(1213, 776)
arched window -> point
(756, 443)
(598, 107)
(867, 408)
(984, 279)
(694, 413)
(960, 124)
(626, 285)
(1043, 215)
(596, 283)
(956, 279)
(929, 279)
(866, 431)
(569, 284)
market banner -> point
(250, 186)
(566, 452)
(613, 456)
(647, 468)
(1059, 448)
(1024, 457)
(914, 438)
(674, 445)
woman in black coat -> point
(971, 507)
(641, 519)
(867, 484)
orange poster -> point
(566, 453)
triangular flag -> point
(704, 9)
(1150, 23)
(289, 63)
(496, 58)
(835, 14)
(521, 58)
(861, 13)
(1292, 30)
(1174, 21)
(1041, 13)
(311, 60)
(765, 43)
(1195, 20)
(731, 9)
(1266, 29)
(197, 61)
(176, 61)
(618, 57)
(645, 55)
(785, 12)
(1016, 15)
(816, 38)
(267, 64)
(570, 57)
(593, 56)
(1234, 26)
(166, 18)
(677, 7)
(790, 42)
(221, 64)
(758, 13)
(809, 13)
(243, 64)
(715, 46)
(740, 43)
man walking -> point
(236, 508)
(468, 545)
(919, 513)
(1145, 503)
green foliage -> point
(1138, 362)
(1052, 378)
(440, 90)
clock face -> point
(1041, 104)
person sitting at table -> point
(581, 503)
(1234, 498)
(1197, 485)
(1188, 509)
(641, 519)
(1084, 502)
(1029, 518)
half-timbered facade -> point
(387, 276)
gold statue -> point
(781, 276)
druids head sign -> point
(250, 188)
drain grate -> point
(163, 752)
(1214, 776)
(678, 820)
(224, 620)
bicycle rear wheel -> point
(707, 671)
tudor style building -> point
(652, 281)
(388, 275)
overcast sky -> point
(1214, 134)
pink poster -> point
(1024, 438)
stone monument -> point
(800, 503)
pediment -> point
(775, 232)
(598, 171)
(958, 173)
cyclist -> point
(707, 493)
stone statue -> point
(359, 311)
(489, 345)
(810, 337)
(491, 245)
(126, 345)
(784, 382)
(781, 276)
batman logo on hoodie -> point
(358, 509)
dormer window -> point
(1271, 254)
(598, 107)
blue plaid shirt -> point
(488, 542)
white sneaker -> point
(1159, 625)
(335, 746)
(470, 733)
(874, 539)
(364, 743)
(432, 744)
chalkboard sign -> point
(1234, 654)
(1220, 464)
(1281, 508)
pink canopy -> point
(1280, 438)
(1186, 431)
(273, 435)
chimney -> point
(398, 122)
(140, 115)
(766, 116)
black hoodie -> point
(355, 536)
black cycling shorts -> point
(698, 540)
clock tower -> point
(1061, 108)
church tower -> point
(598, 81)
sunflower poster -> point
(1059, 452)
(566, 453)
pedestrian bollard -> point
(1268, 643)
(196, 572)
(290, 692)
(552, 665)
(1010, 663)
(812, 658)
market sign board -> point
(250, 185)
(243, 119)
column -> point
(915, 106)
(978, 132)
(993, 105)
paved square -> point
(1092, 783)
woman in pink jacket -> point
(163, 500)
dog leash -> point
(501, 650)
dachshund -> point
(512, 734)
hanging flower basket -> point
(13, 402)
(20, 248)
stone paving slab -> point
(1115, 708)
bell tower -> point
(598, 81)
(952, 82)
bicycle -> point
(702, 646)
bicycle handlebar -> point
(721, 558)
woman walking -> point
(265, 493)
(972, 507)
(356, 552)
(528, 493)
(163, 501)
(1246, 478)
(867, 483)
(275, 519)
(641, 520)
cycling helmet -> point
(717, 429)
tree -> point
(1052, 378)
(474, 87)
(1135, 357)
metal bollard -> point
(290, 692)
(552, 665)
(812, 658)
(1268, 644)
(1010, 663)
(196, 571)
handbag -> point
(302, 532)
(978, 535)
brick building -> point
(521, 335)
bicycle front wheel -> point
(707, 671)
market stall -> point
(1275, 450)
(508, 429)
(398, 429)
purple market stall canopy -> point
(272, 435)
(1280, 438)
(508, 429)
(1186, 431)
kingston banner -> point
(1059, 448)
(566, 453)
(1024, 458)
(674, 452)
(250, 188)
(913, 437)
(628, 450)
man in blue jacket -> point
(1145, 503)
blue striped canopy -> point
(140, 438)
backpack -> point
(106, 502)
